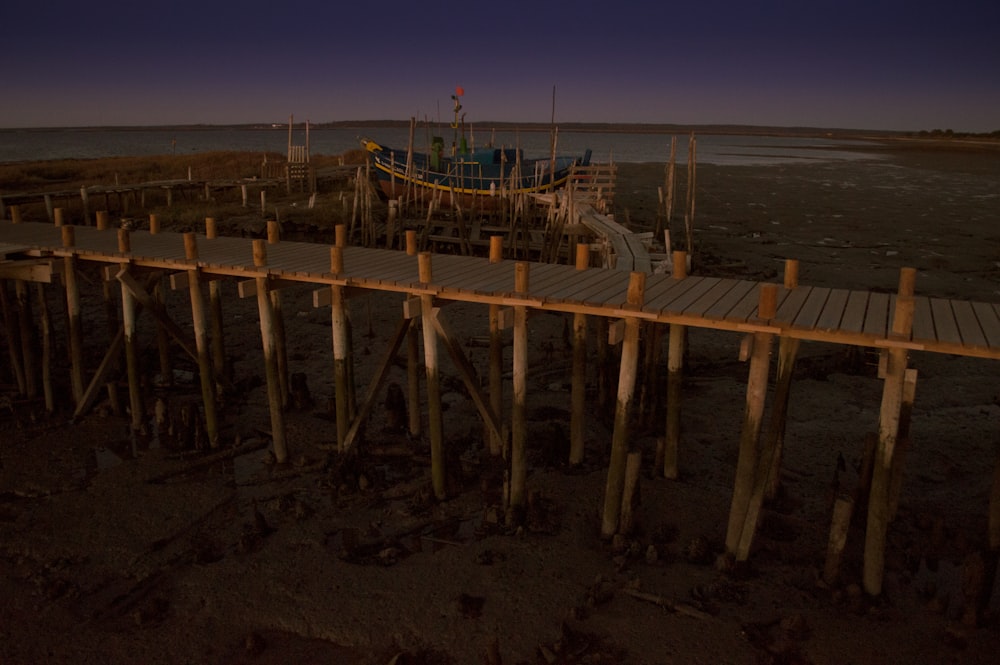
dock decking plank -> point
(790, 303)
(968, 325)
(876, 315)
(724, 305)
(833, 311)
(812, 308)
(712, 296)
(945, 326)
(989, 320)
(923, 320)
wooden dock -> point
(760, 312)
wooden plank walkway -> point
(850, 317)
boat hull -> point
(482, 178)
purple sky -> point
(897, 65)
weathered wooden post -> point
(27, 335)
(879, 501)
(788, 349)
(200, 321)
(519, 420)
(614, 490)
(269, 342)
(58, 217)
(273, 238)
(496, 352)
(46, 330)
(74, 329)
(162, 336)
(578, 385)
(413, 355)
(131, 344)
(215, 311)
(749, 453)
(435, 420)
(338, 323)
(668, 450)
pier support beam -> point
(131, 345)
(519, 408)
(413, 356)
(614, 490)
(338, 324)
(269, 343)
(578, 385)
(742, 515)
(435, 420)
(880, 499)
(497, 443)
(788, 349)
(199, 319)
(668, 453)
(215, 313)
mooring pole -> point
(578, 385)
(269, 341)
(880, 500)
(435, 421)
(614, 490)
(200, 321)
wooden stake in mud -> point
(131, 345)
(788, 349)
(496, 352)
(200, 321)
(519, 419)
(215, 311)
(74, 329)
(269, 341)
(749, 454)
(667, 452)
(27, 336)
(434, 416)
(273, 238)
(879, 501)
(413, 355)
(578, 387)
(338, 323)
(614, 490)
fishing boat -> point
(466, 176)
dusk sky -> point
(895, 65)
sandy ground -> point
(122, 550)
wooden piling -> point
(45, 321)
(496, 352)
(200, 322)
(749, 451)
(667, 453)
(273, 238)
(434, 415)
(879, 501)
(840, 523)
(338, 323)
(626, 388)
(788, 349)
(27, 336)
(215, 311)
(903, 441)
(413, 355)
(269, 342)
(578, 386)
(630, 492)
(129, 327)
(74, 328)
(58, 217)
(519, 413)
(162, 336)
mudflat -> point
(118, 549)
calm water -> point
(38, 144)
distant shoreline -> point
(581, 127)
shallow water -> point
(41, 144)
